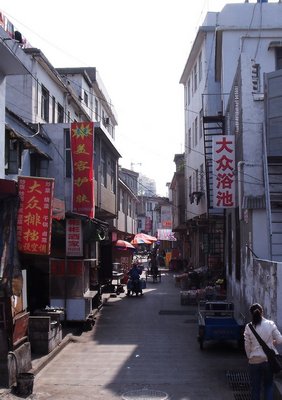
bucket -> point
(25, 383)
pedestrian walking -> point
(261, 376)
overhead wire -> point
(109, 104)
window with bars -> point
(13, 155)
(44, 103)
(61, 113)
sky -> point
(139, 48)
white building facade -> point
(224, 80)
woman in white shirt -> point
(259, 370)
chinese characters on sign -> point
(73, 238)
(166, 216)
(223, 171)
(66, 267)
(82, 149)
(35, 215)
(166, 234)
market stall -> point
(70, 287)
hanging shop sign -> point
(74, 238)
(166, 216)
(166, 234)
(223, 171)
(35, 215)
(82, 150)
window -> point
(149, 206)
(196, 180)
(86, 98)
(202, 178)
(189, 91)
(278, 55)
(189, 140)
(122, 201)
(190, 185)
(38, 165)
(96, 110)
(200, 67)
(103, 168)
(113, 176)
(129, 207)
(61, 113)
(195, 77)
(53, 109)
(44, 104)
(67, 153)
(13, 155)
(196, 132)
(201, 125)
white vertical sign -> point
(223, 171)
(74, 238)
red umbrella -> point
(138, 240)
(144, 236)
(123, 245)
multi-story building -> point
(177, 198)
(38, 105)
(232, 152)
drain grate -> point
(238, 380)
(176, 312)
(240, 384)
(145, 394)
(242, 396)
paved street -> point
(142, 348)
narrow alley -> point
(143, 348)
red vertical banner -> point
(35, 215)
(223, 171)
(82, 149)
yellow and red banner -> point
(35, 214)
(82, 149)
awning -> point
(27, 143)
(253, 202)
(275, 43)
